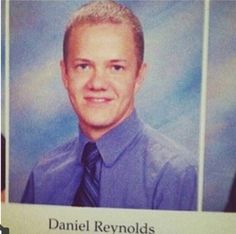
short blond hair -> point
(106, 11)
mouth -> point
(98, 100)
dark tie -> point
(88, 191)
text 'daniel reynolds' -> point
(101, 227)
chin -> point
(104, 120)
(102, 123)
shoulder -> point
(61, 155)
(52, 174)
(170, 172)
(162, 151)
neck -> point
(94, 134)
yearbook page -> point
(118, 117)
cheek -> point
(126, 87)
(74, 94)
(126, 78)
(75, 86)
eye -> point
(83, 66)
(117, 68)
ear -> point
(140, 76)
(64, 73)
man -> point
(117, 160)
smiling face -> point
(101, 75)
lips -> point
(92, 99)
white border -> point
(203, 105)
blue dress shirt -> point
(140, 169)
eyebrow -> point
(118, 60)
(90, 61)
(82, 60)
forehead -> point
(93, 29)
(100, 35)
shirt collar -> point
(114, 142)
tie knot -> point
(90, 155)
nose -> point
(98, 80)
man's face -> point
(101, 75)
